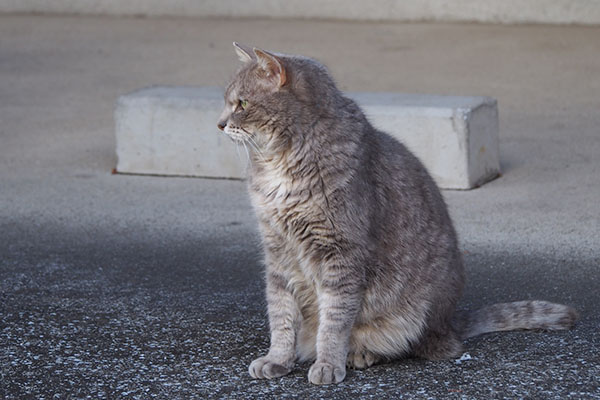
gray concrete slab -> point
(117, 286)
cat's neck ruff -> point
(272, 175)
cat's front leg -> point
(283, 321)
(339, 301)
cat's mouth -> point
(242, 137)
(237, 134)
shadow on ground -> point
(110, 317)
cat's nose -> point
(221, 125)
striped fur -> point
(533, 314)
(362, 260)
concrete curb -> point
(485, 11)
(172, 131)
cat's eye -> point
(243, 104)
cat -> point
(362, 259)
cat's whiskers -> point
(256, 149)
(237, 150)
(247, 152)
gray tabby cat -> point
(362, 260)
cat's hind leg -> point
(361, 359)
(382, 338)
(439, 344)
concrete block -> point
(172, 131)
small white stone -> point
(464, 357)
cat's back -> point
(409, 204)
(394, 167)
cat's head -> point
(270, 95)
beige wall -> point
(494, 11)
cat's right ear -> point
(245, 53)
(275, 71)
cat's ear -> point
(272, 65)
(245, 53)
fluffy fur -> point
(362, 260)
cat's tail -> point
(529, 314)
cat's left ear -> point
(272, 65)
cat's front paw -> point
(322, 373)
(264, 368)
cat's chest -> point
(288, 204)
(273, 189)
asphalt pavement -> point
(120, 286)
